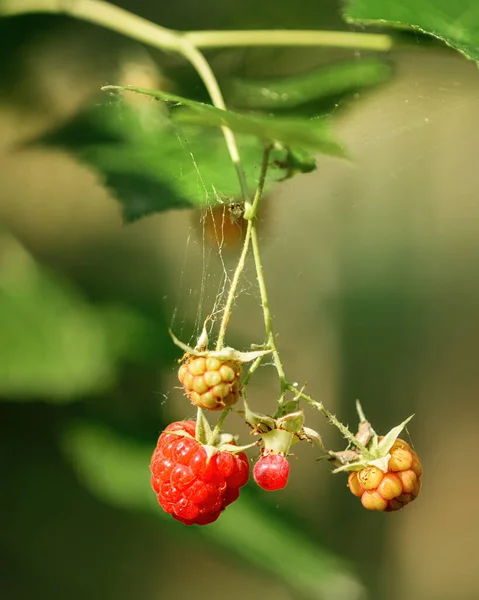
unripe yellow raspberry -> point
(211, 383)
(391, 490)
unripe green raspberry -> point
(209, 382)
(391, 490)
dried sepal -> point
(312, 436)
(223, 354)
(342, 457)
(203, 341)
(365, 433)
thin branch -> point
(202, 67)
(254, 366)
(286, 37)
(331, 418)
(268, 321)
(233, 287)
(113, 17)
(242, 260)
(99, 13)
(219, 425)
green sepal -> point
(221, 438)
(387, 442)
(278, 441)
(292, 422)
(288, 407)
(203, 429)
(210, 451)
(235, 449)
(381, 463)
(355, 466)
(260, 422)
(378, 452)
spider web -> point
(200, 301)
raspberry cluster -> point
(393, 489)
(193, 482)
(197, 471)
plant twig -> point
(254, 366)
(268, 321)
(218, 426)
(330, 417)
(287, 37)
(233, 287)
(113, 17)
(100, 13)
(202, 67)
(244, 252)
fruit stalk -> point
(268, 320)
(331, 418)
(251, 218)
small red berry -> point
(271, 472)
(191, 485)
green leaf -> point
(455, 22)
(327, 82)
(153, 164)
(55, 345)
(116, 470)
(313, 135)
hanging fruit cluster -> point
(197, 471)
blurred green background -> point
(372, 273)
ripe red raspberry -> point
(271, 472)
(392, 490)
(192, 486)
(211, 383)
